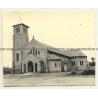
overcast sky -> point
(57, 29)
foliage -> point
(88, 72)
(92, 58)
(7, 70)
(92, 63)
(73, 72)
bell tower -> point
(20, 40)
(20, 35)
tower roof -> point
(21, 24)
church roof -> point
(68, 53)
(31, 56)
(52, 56)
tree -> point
(93, 62)
(92, 58)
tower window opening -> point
(33, 50)
(17, 30)
(17, 56)
(24, 30)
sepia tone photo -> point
(46, 48)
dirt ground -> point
(51, 79)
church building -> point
(35, 56)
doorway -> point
(65, 66)
(30, 66)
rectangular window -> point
(24, 30)
(19, 29)
(16, 30)
(80, 62)
(38, 52)
(33, 50)
(74, 63)
(17, 56)
(55, 65)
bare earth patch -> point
(43, 79)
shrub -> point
(92, 63)
(73, 72)
(88, 72)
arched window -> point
(33, 50)
(17, 56)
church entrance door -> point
(30, 66)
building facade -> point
(35, 56)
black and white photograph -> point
(48, 48)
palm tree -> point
(92, 59)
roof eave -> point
(21, 24)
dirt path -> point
(58, 79)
